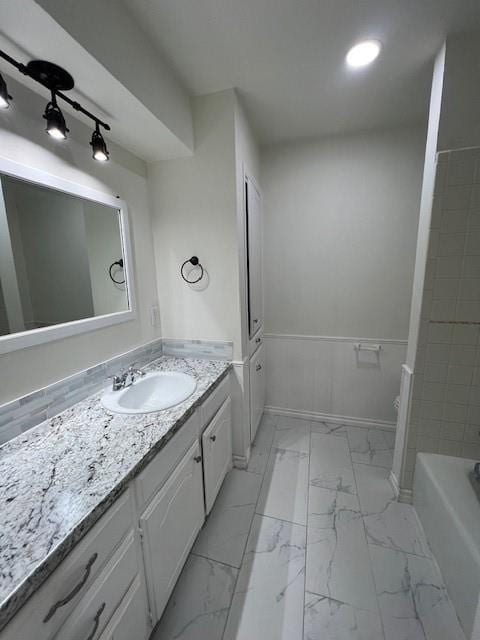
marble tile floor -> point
(308, 543)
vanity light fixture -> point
(57, 80)
(99, 148)
(363, 53)
(56, 127)
(4, 95)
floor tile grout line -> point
(369, 464)
(225, 564)
(306, 529)
(408, 553)
(380, 616)
(249, 532)
(296, 524)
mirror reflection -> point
(61, 258)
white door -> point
(257, 389)
(170, 525)
(254, 258)
(217, 452)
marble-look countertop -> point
(58, 478)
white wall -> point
(129, 56)
(193, 204)
(426, 199)
(198, 209)
(23, 139)
(459, 121)
(341, 219)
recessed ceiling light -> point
(363, 53)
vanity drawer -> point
(49, 607)
(214, 401)
(159, 469)
(96, 608)
(130, 620)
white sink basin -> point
(155, 391)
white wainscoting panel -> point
(326, 377)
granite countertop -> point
(57, 479)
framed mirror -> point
(65, 258)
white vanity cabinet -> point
(115, 583)
(170, 525)
(105, 596)
(257, 388)
(98, 570)
(217, 452)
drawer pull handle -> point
(198, 458)
(74, 591)
(258, 367)
(96, 622)
(213, 438)
(258, 340)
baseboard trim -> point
(241, 462)
(406, 495)
(394, 482)
(331, 417)
(402, 495)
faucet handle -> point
(117, 382)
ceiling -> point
(286, 57)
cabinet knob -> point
(255, 321)
(258, 367)
(213, 438)
(258, 340)
(198, 458)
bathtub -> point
(449, 511)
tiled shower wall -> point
(445, 414)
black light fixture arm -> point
(59, 94)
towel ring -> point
(120, 264)
(196, 263)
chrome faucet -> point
(126, 378)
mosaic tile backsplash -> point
(25, 413)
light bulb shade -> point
(4, 96)
(99, 148)
(56, 126)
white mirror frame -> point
(33, 337)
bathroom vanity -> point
(100, 510)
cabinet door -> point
(257, 389)
(130, 620)
(170, 525)
(254, 258)
(217, 452)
